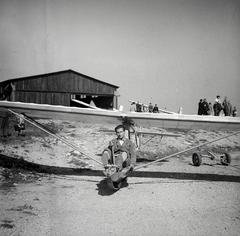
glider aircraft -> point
(133, 121)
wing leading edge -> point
(44, 111)
(87, 115)
(188, 122)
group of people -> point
(218, 108)
(139, 107)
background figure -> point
(217, 107)
(144, 108)
(205, 106)
(218, 99)
(138, 107)
(155, 109)
(234, 112)
(229, 107)
(226, 108)
(200, 107)
(180, 111)
(132, 106)
(210, 111)
(150, 107)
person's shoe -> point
(124, 183)
(109, 170)
(106, 170)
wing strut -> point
(56, 136)
(186, 150)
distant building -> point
(61, 88)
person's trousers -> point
(120, 158)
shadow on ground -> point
(10, 162)
(104, 189)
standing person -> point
(226, 108)
(217, 107)
(200, 107)
(180, 111)
(229, 107)
(144, 108)
(150, 107)
(132, 106)
(205, 106)
(234, 112)
(138, 107)
(218, 99)
(155, 109)
(210, 111)
(122, 148)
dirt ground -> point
(58, 205)
(171, 198)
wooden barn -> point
(61, 88)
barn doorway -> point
(100, 101)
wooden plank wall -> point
(43, 98)
(66, 82)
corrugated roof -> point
(59, 72)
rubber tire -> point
(196, 159)
(228, 159)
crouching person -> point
(121, 152)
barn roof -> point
(60, 72)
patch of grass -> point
(71, 126)
(7, 221)
(21, 208)
(7, 226)
(46, 145)
(146, 155)
(15, 175)
(30, 213)
(65, 186)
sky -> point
(168, 52)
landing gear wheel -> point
(196, 159)
(225, 159)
